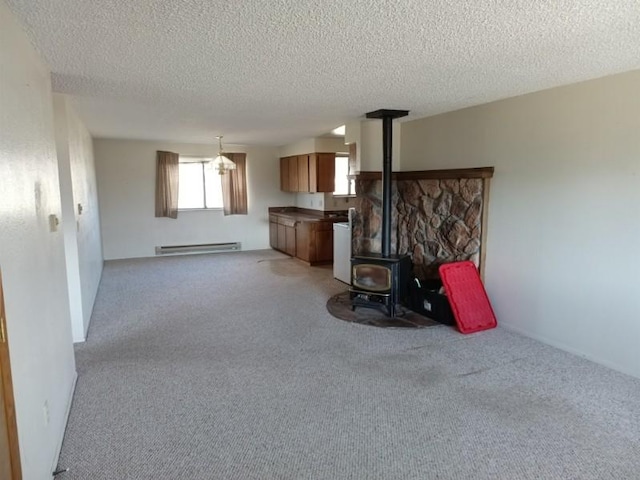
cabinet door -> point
(293, 174)
(282, 238)
(303, 173)
(324, 246)
(313, 172)
(321, 243)
(290, 235)
(325, 172)
(273, 235)
(302, 241)
(284, 174)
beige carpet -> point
(229, 366)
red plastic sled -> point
(467, 296)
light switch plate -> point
(53, 222)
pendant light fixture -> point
(221, 163)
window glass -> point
(199, 184)
(213, 186)
(343, 184)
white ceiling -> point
(275, 71)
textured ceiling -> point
(275, 71)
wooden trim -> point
(486, 186)
(481, 172)
(7, 385)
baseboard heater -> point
(201, 248)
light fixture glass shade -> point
(221, 163)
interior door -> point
(9, 454)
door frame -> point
(7, 385)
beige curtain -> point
(234, 186)
(167, 184)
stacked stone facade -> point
(434, 220)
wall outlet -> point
(45, 412)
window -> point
(344, 184)
(200, 186)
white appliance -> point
(342, 251)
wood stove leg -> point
(392, 311)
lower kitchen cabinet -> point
(302, 241)
(310, 241)
(273, 232)
(286, 239)
(290, 244)
(322, 242)
(314, 242)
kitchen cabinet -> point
(308, 237)
(293, 174)
(303, 173)
(289, 174)
(321, 242)
(286, 235)
(322, 172)
(314, 242)
(284, 174)
(290, 243)
(302, 241)
(273, 231)
(313, 172)
(282, 234)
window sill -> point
(353, 195)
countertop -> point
(307, 215)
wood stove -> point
(382, 280)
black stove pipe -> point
(387, 172)
(387, 117)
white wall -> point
(32, 257)
(564, 215)
(81, 228)
(330, 144)
(126, 172)
(307, 145)
(367, 135)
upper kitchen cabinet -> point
(303, 173)
(284, 174)
(313, 172)
(289, 174)
(322, 172)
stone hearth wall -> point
(434, 220)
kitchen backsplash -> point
(324, 201)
